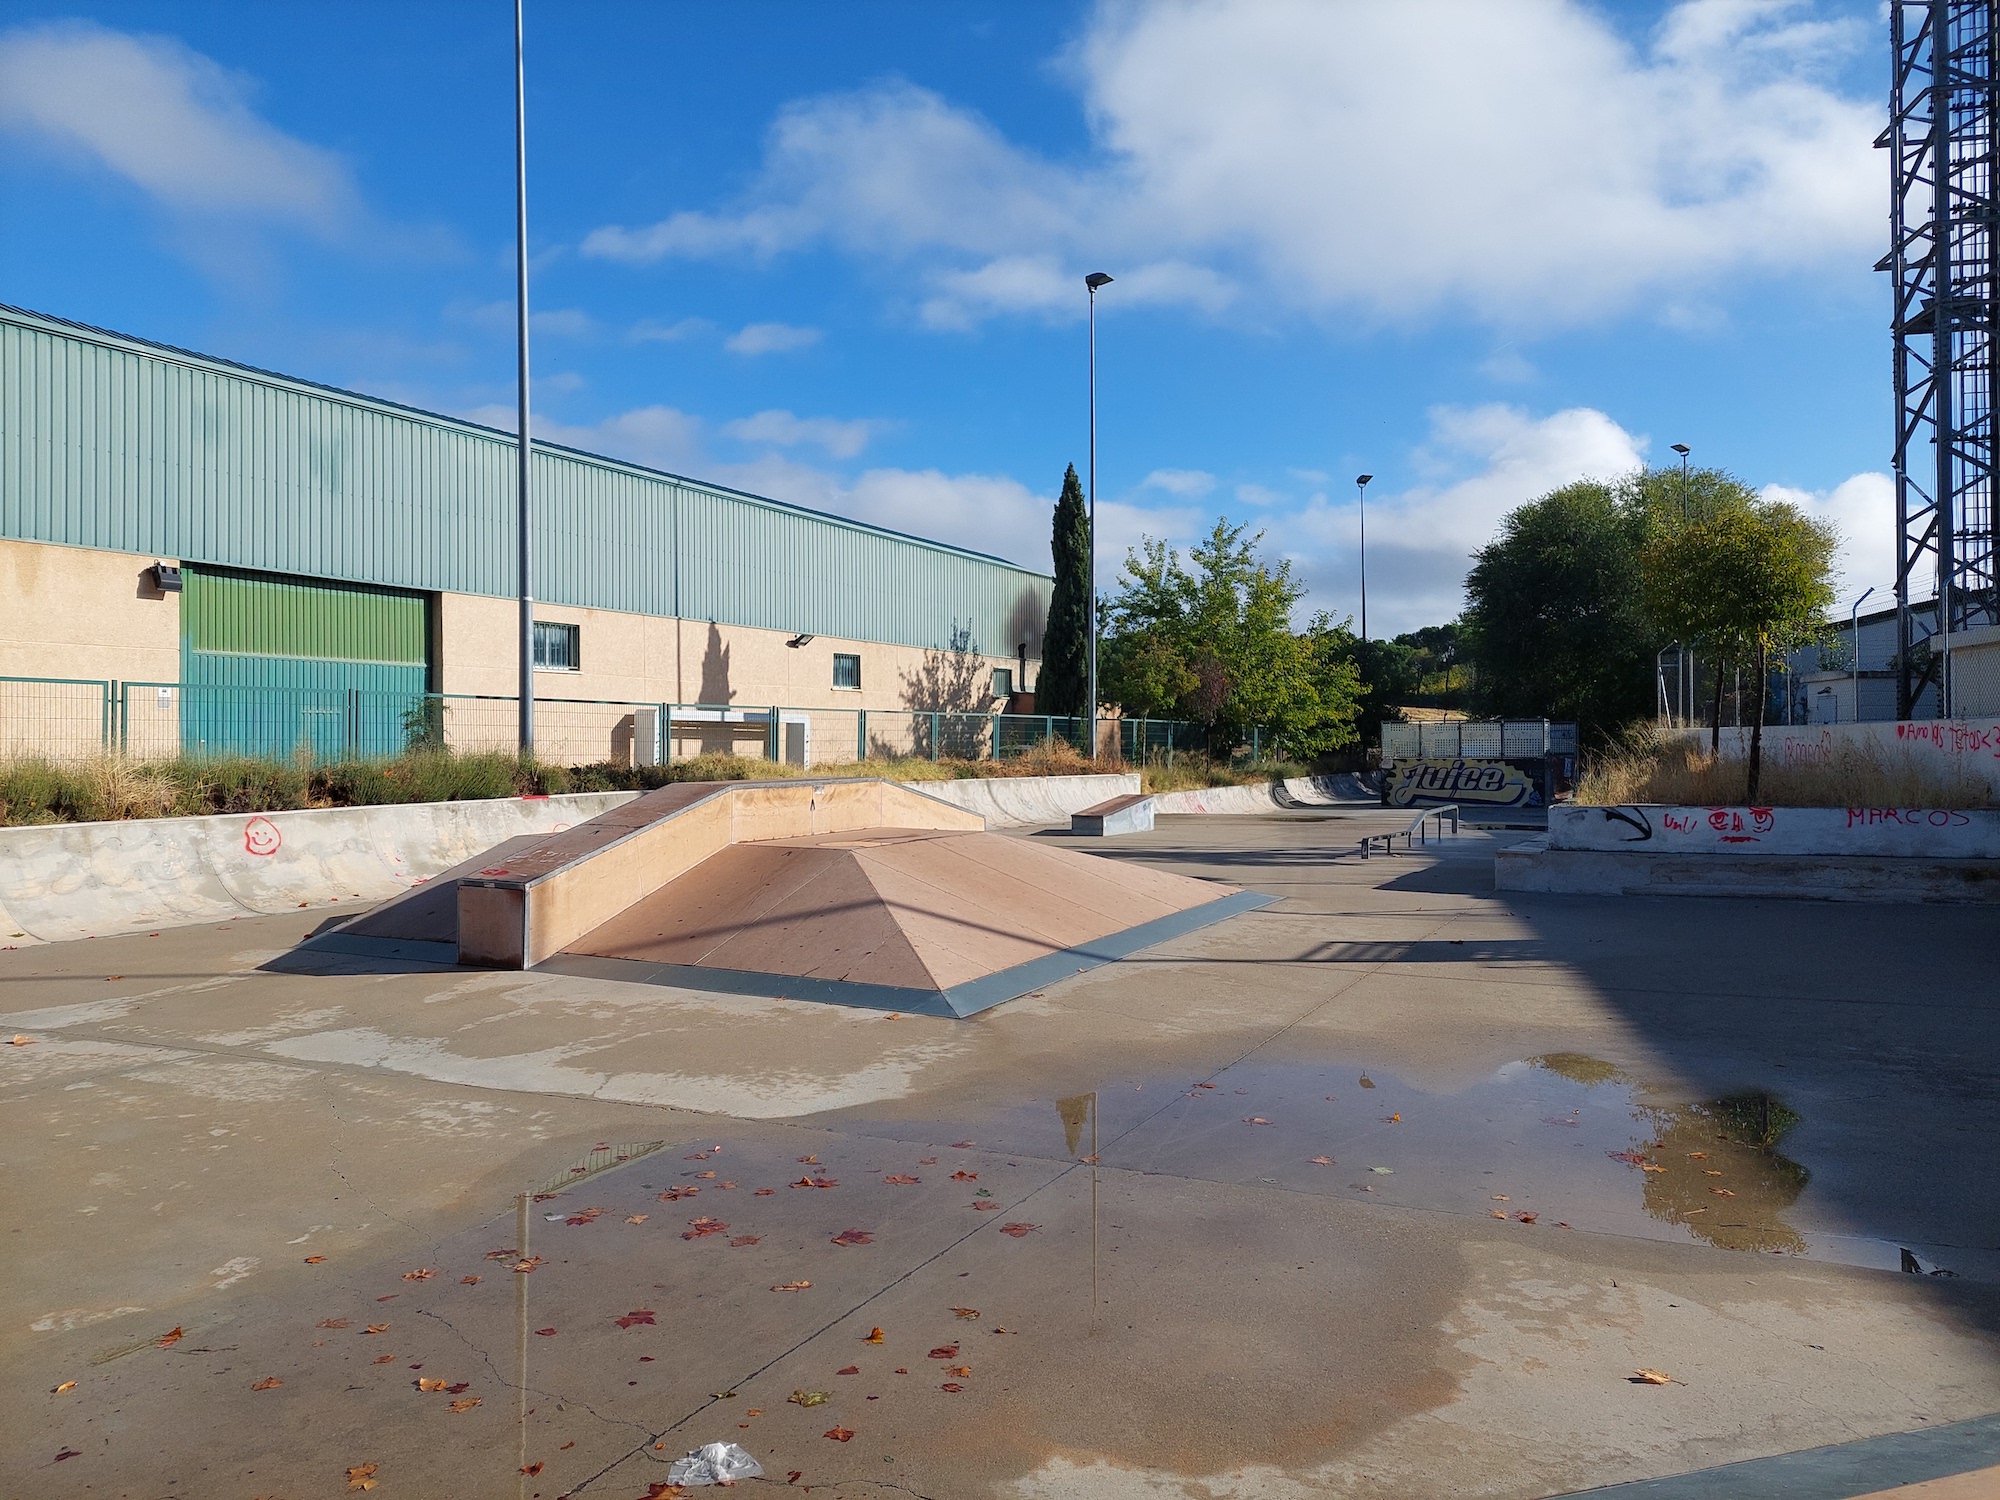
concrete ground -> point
(1388, 1189)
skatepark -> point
(1381, 1182)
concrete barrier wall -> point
(73, 880)
(1946, 750)
(1027, 801)
(1880, 832)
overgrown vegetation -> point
(1646, 766)
(112, 788)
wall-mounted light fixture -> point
(799, 640)
(166, 577)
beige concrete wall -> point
(631, 659)
(77, 612)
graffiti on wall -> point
(1490, 783)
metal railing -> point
(72, 719)
(1478, 739)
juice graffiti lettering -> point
(1488, 782)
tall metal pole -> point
(1854, 629)
(1091, 283)
(1361, 488)
(523, 505)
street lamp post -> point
(524, 513)
(1684, 667)
(1091, 283)
(1361, 488)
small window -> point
(1003, 682)
(846, 670)
(557, 647)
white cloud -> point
(1482, 462)
(650, 331)
(1546, 172)
(659, 437)
(841, 439)
(168, 120)
(1189, 484)
(1863, 510)
(770, 338)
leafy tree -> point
(1065, 680)
(1211, 639)
(1553, 623)
(1437, 649)
(1391, 673)
(1746, 579)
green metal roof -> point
(115, 442)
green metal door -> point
(282, 667)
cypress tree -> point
(1064, 683)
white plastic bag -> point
(714, 1463)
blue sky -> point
(834, 253)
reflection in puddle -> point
(1713, 1169)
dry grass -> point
(1677, 772)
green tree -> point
(1211, 639)
(1064, 684)
(1553, 623)
(1746, 579)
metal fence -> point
(73, 719)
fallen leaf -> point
(1698, 1155)
(763, 1192)
(1322, 1161)
(636, 1218)
(1526, 1218)
(1367, 1082)
(1255, 1120)
(755, 1411)
(792, 1286)
(171, 1337)
(965, 1312)
(961, 1145)
(854, 1237)
(1651, 1377)
(840, 1434)
(1630, 1158)
(810, 1398)
(376, 1328)
(744, 1239)
(704, 1174)
(501, 1254)
(1722, 1192)
(1499, 1213)
(983, 1207)
(673, 1193)
(390, 1298)
(531, 1470)
(809, 1161)
(463, 1385)
(850, 1370)
(659, 1488)
(69, 1453)
(1499, 1197)
(268, 1383)
(468, 1281)
(431, 1385)
(21, 1041)
(927, 1161)
(67, 1385)
(313, 1260)
(960, 1370)
(874, 1336)
(794, 1476)
(331, 1323)
(703, 1226)
(904, 1181)
(466, 1405)
(635, 1317)
(361, 1477)
(965, 1177)
(385, 1359)
(1018, 1230)
(523, 1267)
(547, 1333)
(422, 1274)
(1392, 1120)
(945, 1351)
(951, 1385)
(1707, 1172)
(1647, 1166)
(902, 1372)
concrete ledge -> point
(1655, 828)
(1121, 815)
(1534, 866)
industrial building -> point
(197, 555)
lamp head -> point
(1362, 479)
(1096, 279)
(1681, 449)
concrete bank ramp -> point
(77, 880)
(1027, 801)
(1268, 797)
(856, 892)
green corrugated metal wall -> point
(110, 442)
(274, 666)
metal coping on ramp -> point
(1841, 1471)
(957, 1002)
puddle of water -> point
(1552, 1142)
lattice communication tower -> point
(1944, 218)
